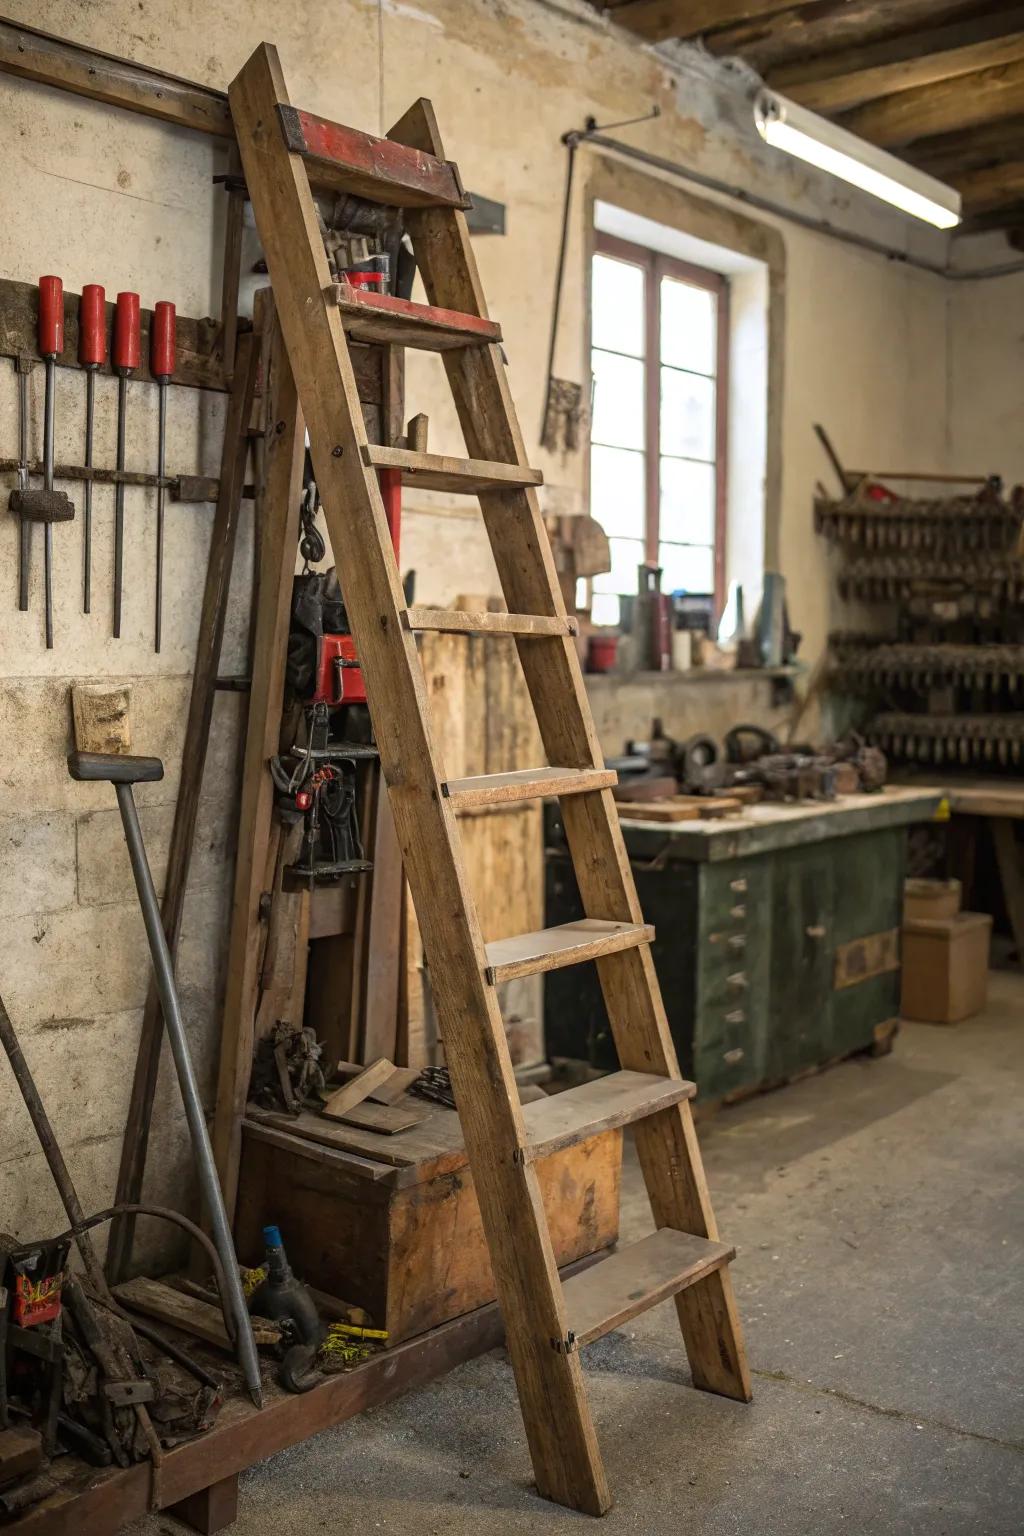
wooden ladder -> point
(286, 155)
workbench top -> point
(972, 794)
(764, 827)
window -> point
(659, 351)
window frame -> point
(656, 265)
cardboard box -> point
(945, 967)
(930, 899)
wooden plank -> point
(525, 626)
(116, 82)
(549, 949)
(383, 926)
(657, 20)
(993, 186)
(212, 616)
(980, 97)
(561, 1119)
(637, 1278)
(385, 318)
(391, 1089)
(21, 1451)
(188, 1313)
(836, 82)
(357, 1089)
(441, 472)
(346, 1136)
(828, 26)
(946, 154)
(383, 1119)
(667, 1144)
(526, 784)
(278, 518)
(210, 1509)
(346, 160)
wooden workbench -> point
(776, 937)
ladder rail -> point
(556, 1414)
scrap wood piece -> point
(352, 1093)
(391, 1089)
(681, 808)
(387, 1119)
(188, 1313)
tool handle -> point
(51, 316)
(162, 341)
(92, 326)
(127, 332)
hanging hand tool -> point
(127, 339)
(162, 348)
(51, 345)
(92, 354)
(23, 367)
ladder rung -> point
(636, 1278)
(438, 472)
(526, 626)
(379, 169)
(386, 320)
(569, 944)
(579, 1113)
(526, 784)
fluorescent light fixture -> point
(790, 127)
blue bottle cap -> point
(272, 1237)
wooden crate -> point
(403, 1238)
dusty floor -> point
(879, 1214)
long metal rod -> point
(160, 495)
(25, 529)
(122, 408)
(90, 417)
(210, 1185)
(48, 422)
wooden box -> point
(929, 899)
(403, 1238)
(945, 967)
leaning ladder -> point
(286, 152)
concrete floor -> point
(879, 1214)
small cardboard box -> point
(945, 967)
(930, 899)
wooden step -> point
(346, 160)
(526, 784)
(569, 944)
(386, 320)
(563, 1119)
(439, 472)
(525, 626)
(637, 1278)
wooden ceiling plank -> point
(948, 153)
(656, 20)
(837, 82)
(995, 186)
(985, 96)
(832, 26)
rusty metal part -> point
(953, 738)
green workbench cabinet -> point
(754, 930)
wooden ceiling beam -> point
(831, 26)
(1010, 217)
(656, 20)
(948, 153)
(838, 81)
(985, 96)
(992, 187)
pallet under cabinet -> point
(776, 937)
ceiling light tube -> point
(789, 127)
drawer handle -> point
(732, 1057)
(738, 941)
(736, 1017)
(737, 979)
(737, 911)
(737, 885)
(816, 931)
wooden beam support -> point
(947, 153)
(836, 82)
(656, 20)
(995, 186)
(801, 30)
(982, 97)
(116, 82)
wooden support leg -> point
(211, 1509)
(1008, 857)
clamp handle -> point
(162, 341)
(51, 316)
(92, 326)
(127, 332)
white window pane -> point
(689, 326)
(617, 491)
(687, 501)
(627, 554)
(618, 312)
(605, 609)
(687, 415)
(618, 401)
(686, 568)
